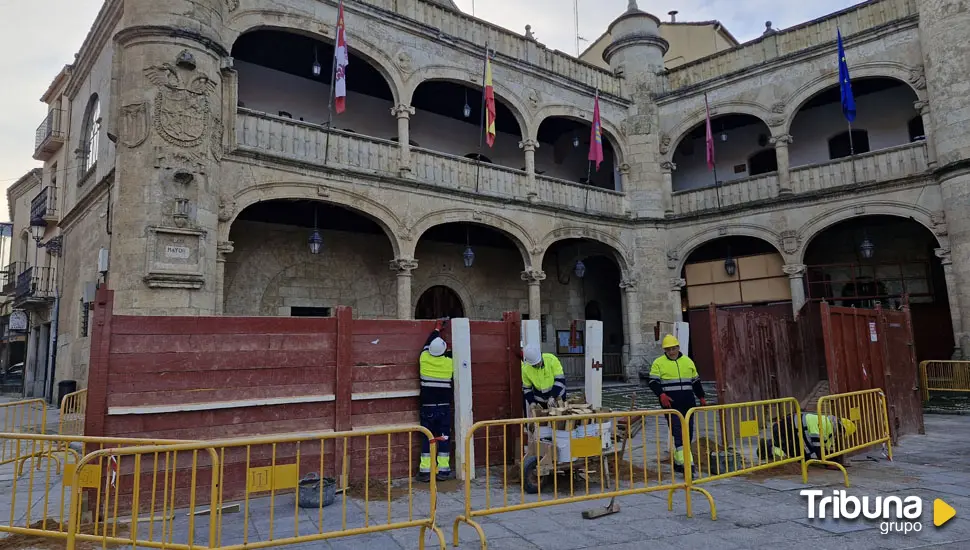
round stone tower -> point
(167, 120)
(637, 50)
(943, 30)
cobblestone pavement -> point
(753, 512)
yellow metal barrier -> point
(587, 448)
(38, 498)
(73, 407)
(28, 416)
(743, 438)
(944, 376)
(183, 496)
(867, 426)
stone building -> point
(192, 141)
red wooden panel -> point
(345, 366)
(99, 365)
(145, 325)
(211, 395)
(173, 380)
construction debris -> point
(570, 407)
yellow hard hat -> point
(849, 427)
(669, 342)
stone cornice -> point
(952, 170)
(635, 40)
(84, 206)
(131, 33)
(97, 39)
(756, 70)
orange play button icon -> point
(942, 512)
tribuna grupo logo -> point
(896, 514)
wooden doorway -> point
(437, 302)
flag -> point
(341, 61)
(489, 102)
(596, 134)
(709, 139)
(845, 84)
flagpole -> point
(481, 130)
(709, 144)
(333, 89)
(717, 186)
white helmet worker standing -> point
(543, 380)
(437, 371)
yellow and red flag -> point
(489, 102)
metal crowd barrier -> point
(187, 495)
(73, 407)
(27, 416)
(869, 415)
(740, 438)
(604, 455)
(944, 376)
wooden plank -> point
(100, 364)
(172, 325)
(201, 361)
(345, 369)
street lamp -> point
(867, 248)
(316, 63)
(315, 241)
(580, 269)
(37, 231)
(468, 255)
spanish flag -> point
(489, 102)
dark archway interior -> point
(473, 234)
(300, 213)
(293, 53)
(449, 99)
(734, 246)
(860, 87)
(568, 138)
(439, 302)
(719, 124)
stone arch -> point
(257, 20)
(446, 280)
(515, 232)
(456, 75)
(611, 131)
(720, 108)
(813, 227)
(910, 76)
(704, 236)
(356, 202)
(622, 254)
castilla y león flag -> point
(489, 102)
(341, 61)
(596, 134)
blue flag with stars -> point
(845, 84)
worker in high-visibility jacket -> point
(817, 431)
(674, 378)
(437, 371)
(543, 380)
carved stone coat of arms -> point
(181, 109)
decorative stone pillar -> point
(676, 300)
(534, 278)
(954, 297)
(631, 318)
(923, 107)
(223, 249)
(530, 146)
(784, 169)
(668, 168)
(403, 267)
(796, 278)
(403, 113)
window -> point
(85, 318)
(763, 162)
(916, 132)
(841, 146)
(88, 152)
(310, 312)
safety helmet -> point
(437, 347)
(669, 342)
(849, 427)
(532, 355)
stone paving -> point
(756, 512)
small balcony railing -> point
(9, 277)
(36, 283)
(49, 136)
(43, 207)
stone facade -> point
(180, 163)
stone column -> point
(530, 146)
(534, 278)
(953, 295)
(668, 168)
(923, 107)
(784, 170)
(676, 301)
(796, 278)
(403, 267)
(223, 249)
(632, 337)
(403, 113)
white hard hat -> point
(532, 355)
(437, 347)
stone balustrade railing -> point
(874, 167)
(877, 166)
(853, 20)
(310, 143)
(459, 25)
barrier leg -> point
(437, 531)
(690, 513)
(823, 462)
(473, 523)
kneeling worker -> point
(543, 380)
(437, 372)
(816, 431)
(674, 378)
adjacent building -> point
(194, 165)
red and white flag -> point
(596, 134)
(709, 139)
(341, 60)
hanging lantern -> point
(580, 269)
(575, 141)
(867, 248)
(467, 110)
(315, 241)
(316, 63)
(468, 256)
(730, 266)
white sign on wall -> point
(174, 251)
(18, 321)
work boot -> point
(424, 477)
(443, 475)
